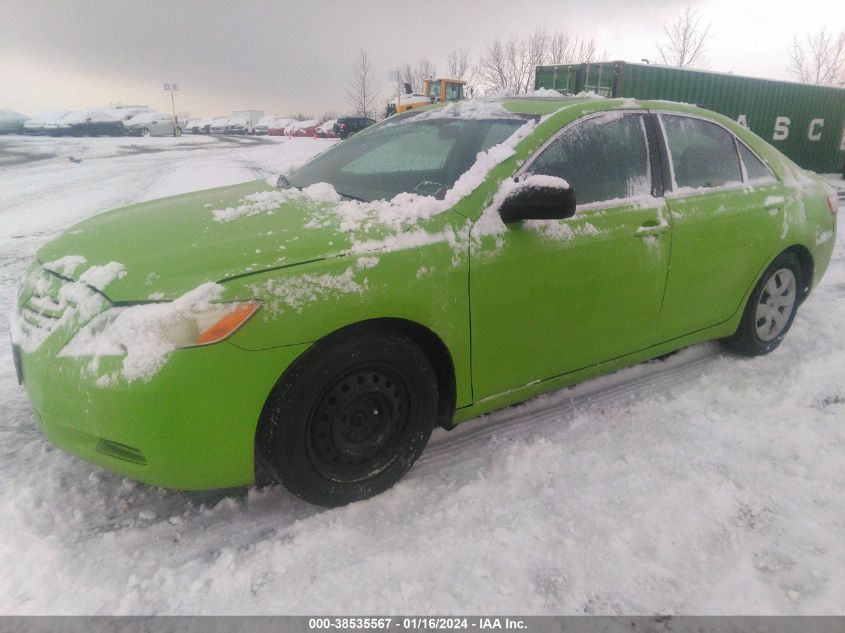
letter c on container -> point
(811, 131)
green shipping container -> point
(805, 122)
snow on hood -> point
(327, 126)
(470, 109)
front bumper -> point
(191, 426)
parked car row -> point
(142, 121)
(104, 121)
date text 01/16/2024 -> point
(416, 623)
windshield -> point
(409, 153)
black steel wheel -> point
(350, 418)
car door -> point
(552, 296)
(727, 212)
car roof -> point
(544, 102)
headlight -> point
(146, 334)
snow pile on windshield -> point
(472, 109)
(402, 210)
(139, 333)
(544, 93)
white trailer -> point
(252, 117)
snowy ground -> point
(705, 483)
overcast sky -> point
(296, 56)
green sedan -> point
(439, 265)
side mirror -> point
(538, 202)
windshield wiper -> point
(282, 182)
(346, 195)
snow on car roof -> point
(298, 125)
(147, 117)
(280, 122)
(45, 117)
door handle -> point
(773, 204)
(651, 227)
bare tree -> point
(425, 70)
(458, 63)
(819, 60)
(361, 93)
(686, 39)
(408, 75)
(511, 64)
(415, 75)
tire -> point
(771, 308)
(177, 131)
(145, 132)
(350, 418)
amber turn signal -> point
(226, 325)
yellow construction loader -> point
(434, 91)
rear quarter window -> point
(703, 153)
(755, 169)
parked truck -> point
(244, 121)
(805, 122)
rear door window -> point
(703, 153)
(602, 158)
(754, 167)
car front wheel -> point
(771, 309)
(350, 418)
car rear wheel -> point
(145, 132)
(350, 418)
(177, 131)
(771, 309)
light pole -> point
(171, 88)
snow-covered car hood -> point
(172, 245)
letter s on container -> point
(781, 128)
